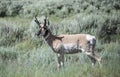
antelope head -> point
(43, 28)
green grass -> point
(41, 62)
(22, 54)
(18, 21)
(33, 58)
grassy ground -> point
(41, 62)
(31, 57)
(22, 54)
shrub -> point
(10, 34)
(14, 8)
(59, 8)
(109, 28)
(8, 53)
(10, 8)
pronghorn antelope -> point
(68, 43)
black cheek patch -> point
(46, 33)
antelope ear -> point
(38, 23)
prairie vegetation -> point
(22, 54)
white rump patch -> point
(90, 38)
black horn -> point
(46, 21)
(36, 20)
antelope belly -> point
(71, 48)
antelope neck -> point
(46, 36)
